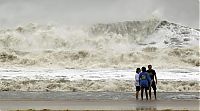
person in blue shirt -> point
(145, 81)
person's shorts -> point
(137, 88)
(146, 88)
(153, 85)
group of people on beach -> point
(145, 80)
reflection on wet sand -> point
(142, 109)
(146, 109)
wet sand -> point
(137, 105)
(97, 101)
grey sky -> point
(16, 12)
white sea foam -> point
(24, 79)
(93, 85)
(191, 74)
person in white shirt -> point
(137, 84)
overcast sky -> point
(16, 12)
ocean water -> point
(100, 57)
(38, 79)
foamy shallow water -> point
(92, 95)
(44, 79)
(95, 74)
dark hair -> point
(143, 69)
(138, 70)
(149, 65)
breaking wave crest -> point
(93, 85)
(102, 45)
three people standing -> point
(145, 80)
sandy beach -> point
(100, 105)
(96, 101)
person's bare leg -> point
(150, 93)
(137, 92)
(142, 90)
(146, 93)
(155, 94)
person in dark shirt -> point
(144, 80)
(152, 74)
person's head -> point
(143, 69)
(138, 70)
(149, 66)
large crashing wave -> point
(118, 45)
(134, 30)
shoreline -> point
(151, 105)
(98, 95)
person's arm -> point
(135, 78)
(155, 77)
(149, 78)
(139, 78)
